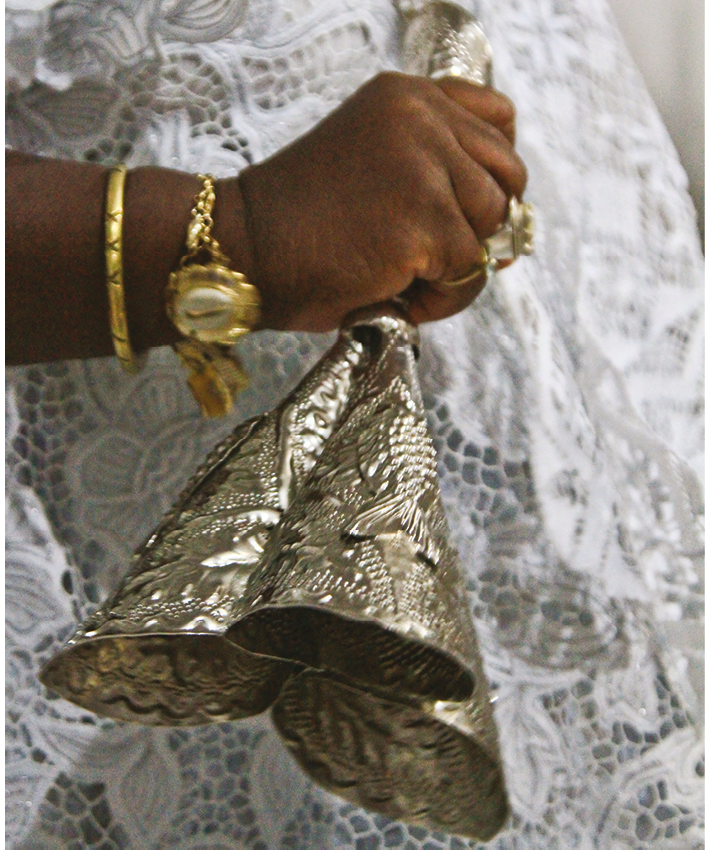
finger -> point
(452, 230)
(484, 144)
(484, 102)
(480, 138)
(481, 199)
(435, 296)
(429, 301)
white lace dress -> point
(565, 406)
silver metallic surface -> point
(312, 547)
(307, 567)
(444, 40)
(156, 651)
(516, 236)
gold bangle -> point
(113, 268)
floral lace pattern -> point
(565, 406)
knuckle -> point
(514, 175)
(386, 81)
(429, 187)
(381, 90)
(505, 111)
(407, 248)
(522, 177)
(496, 137)
(407, 102)
(414, 254)
(400, 91)
(490, 211)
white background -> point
(665, 38)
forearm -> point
(56, 295)
(351, 214)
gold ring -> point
(473, 273)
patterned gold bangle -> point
(113, 266)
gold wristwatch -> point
(212, 306)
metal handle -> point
(444, 40)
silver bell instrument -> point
(306, 568)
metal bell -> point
(359, 583)
(308, 561)
(307, 567)
(157, 651)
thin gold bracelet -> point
(113, 266)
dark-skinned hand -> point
(390, 194)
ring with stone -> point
(514, 238)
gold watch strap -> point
(216, 375)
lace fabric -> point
(565, 406)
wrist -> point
(209, 298)
(231, 228)
(158, 203)
(271, 236)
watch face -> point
(212, 303)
